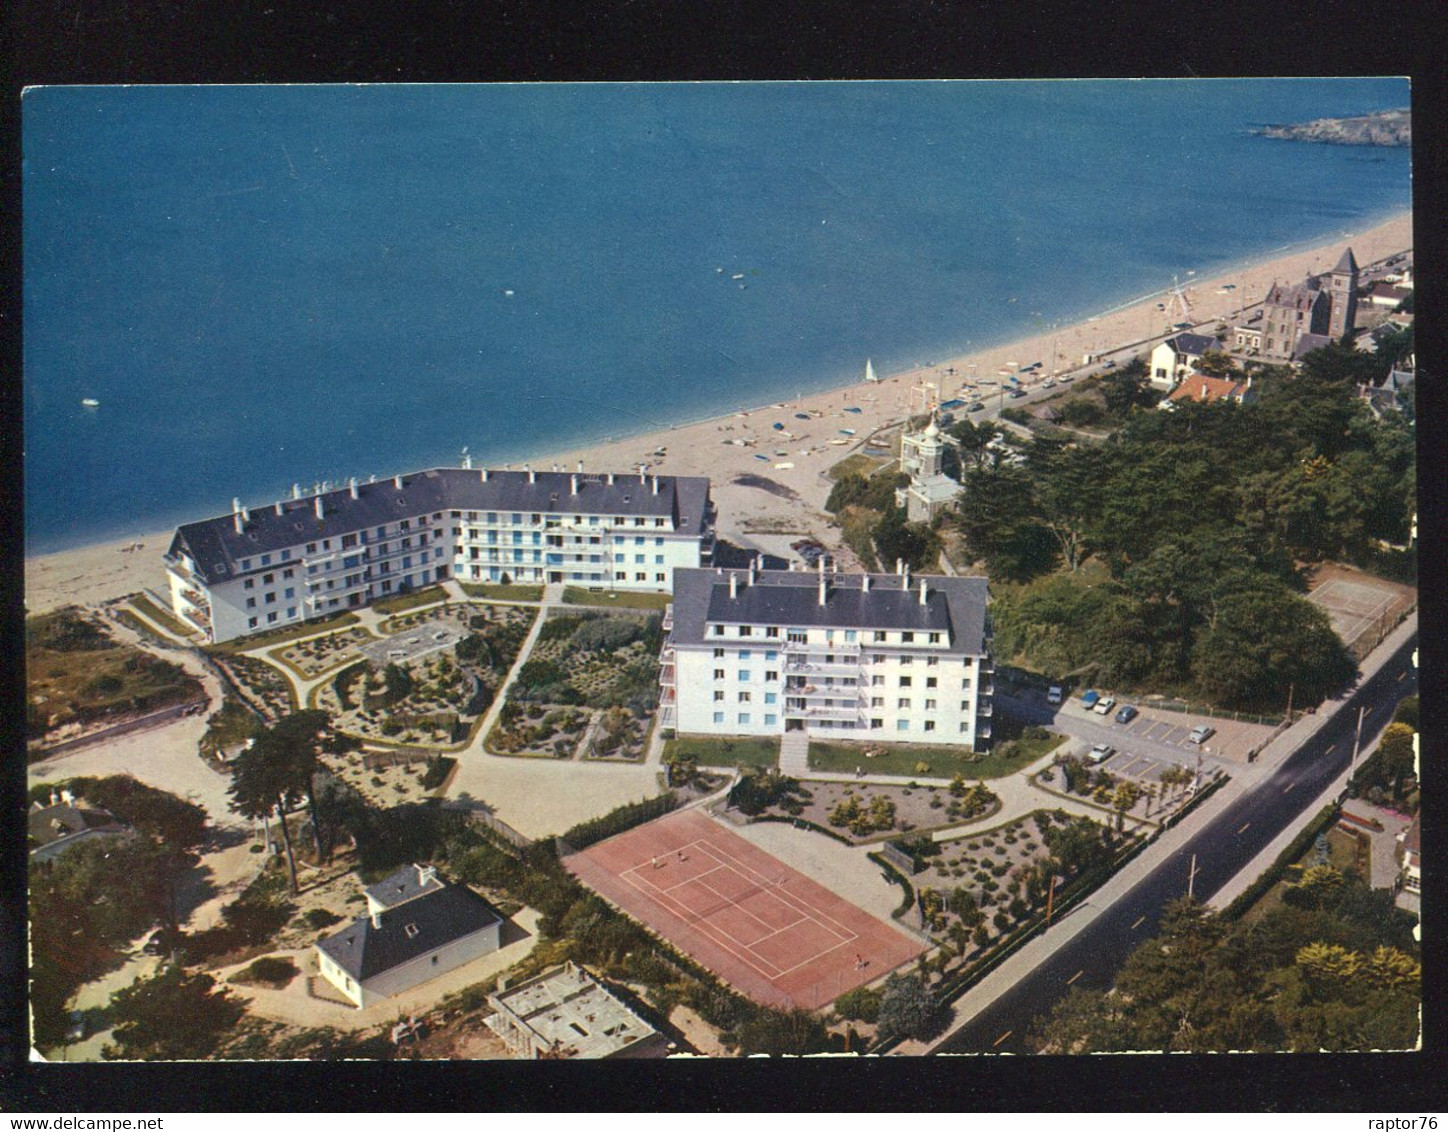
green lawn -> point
(943, 762)
(428, 596)
(502, 592)
(282, 636)
(161, 617)
(710, 751)
(576, 595)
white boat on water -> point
(90, 403)
(870, 371)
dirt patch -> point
(764, 483)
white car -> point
(1201, 733)
(1100, 752)
(1053, 694)
(1104, 705)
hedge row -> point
(899, 878)
(617, 821)
(1274, 872)
(804, 823)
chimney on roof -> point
(865, 583)
(352, 486)
(573, 484)
(753, 569)
(555, 467)
(824, 587)
(321, 510)
(296, 491)
(397, 482)
(532, 475)
(610, 479)
(377, 919)
(905, 585)
(733, 585)
(66, 796)
(279, 508)
(425, 875)
(643, 478)
(656, 485)
(235, 506)
(922, 591)
(485, 475)
(54, 798)
(580, 467)
(245, 514)
(236, 522)
(899, 566)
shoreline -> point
(99, 572)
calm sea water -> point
(264, 285)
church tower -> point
(1343, 289)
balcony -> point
(982, 731)
(178, 567)
(668, 624)
(198, 618)
(667, 716)
(193, 597)
(823, 668)
(984, 710)
(668, 696)
(666, 676)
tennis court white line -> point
(728, 943)
(697, 921)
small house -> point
(1173, 359)
(417, 927)
(66, 822)
(1206, 390)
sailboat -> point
(870, 371)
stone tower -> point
(1343, 283)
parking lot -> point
(1164, 735)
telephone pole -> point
(1357, 742)
(1192, 877)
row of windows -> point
(493, 518)
(852, 636)
(745, 674)
(746, 719)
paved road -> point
(1223, 847)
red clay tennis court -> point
(759, 925)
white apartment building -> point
(839, 656)
(313, 556)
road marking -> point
(1290, 785)
(1243, 829)
(1402, 674)
(1002, 1038)
(1076, 976)
(1139, 921)
(1330, 749)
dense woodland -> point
(1168, 556)
(1334, 968)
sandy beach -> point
(747, 513)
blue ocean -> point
(275, 284)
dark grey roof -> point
(440, 918)
(787, 598)
(403, 885)
(1299, 296)
(216, 547)
(1194, 344)
(1306, 343)
(49, 824)
(1345, 263)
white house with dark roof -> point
(841, 656)
(1178, 355)
(303, 558)
(417, 927)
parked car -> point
(1126, 714)
(1201, 733)
(1053, 694)
(1104, 705)
(975, 408)
(1100, 752)
(1089, 698)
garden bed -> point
(863, 811)
(313, 656)
(616, 599)
(921, 761)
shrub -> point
(859, 1005)
(321, 918)
(274, 969)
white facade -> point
(307, 558)
(845, 680)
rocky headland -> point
(1383, 128)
